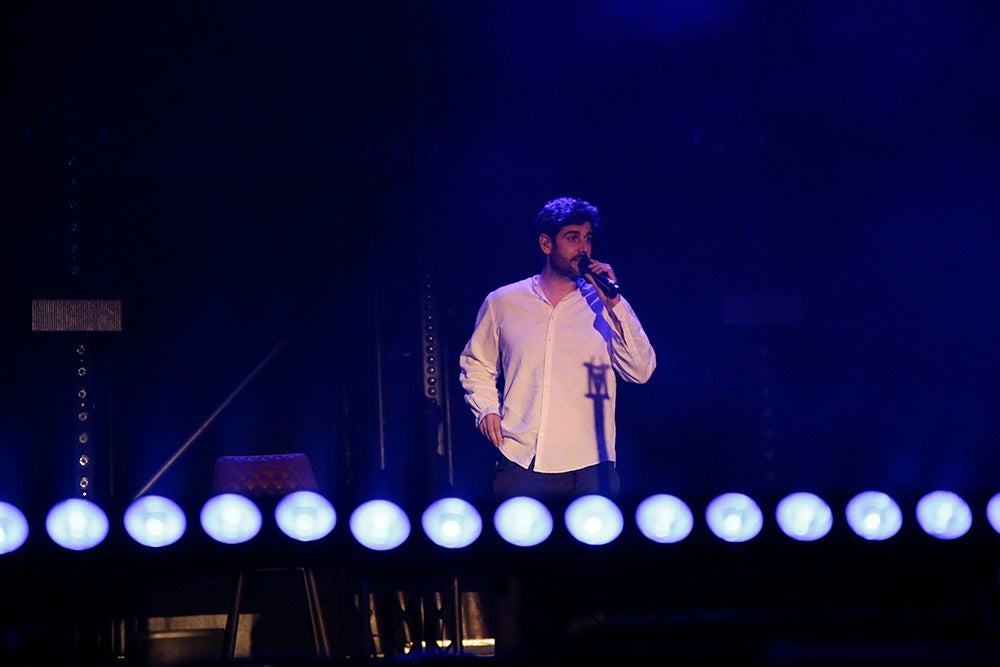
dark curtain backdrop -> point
(799, 200)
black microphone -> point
(607, 285)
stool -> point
(269, 476)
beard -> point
(568, 268)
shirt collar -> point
(581, 284)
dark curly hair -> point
(563, 211)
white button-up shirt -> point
(550, 372)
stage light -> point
(944, 515)
(452, 523)
(594, 519)
(664, 518)
(993, 512)
(734, 517)
(523, 521)
(804, 516)
(873, 515)
(77, 524)
(380, 525)
(231, 518)
(305, 516)
(155, 521)
(13, 528)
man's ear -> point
(545, 243)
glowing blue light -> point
(380, 525)
(873, 515)
(523, 521)
(664, 518)
(231, 518)
(305, 516)
(155, 521)
(993, 512)
(13, 528)
(944, 515)
(452, 523)
(594, 519)
(734, 517)
(804, 516)
(77, 524)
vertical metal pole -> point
(459, 630)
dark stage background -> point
(799, 198)
(287, 199)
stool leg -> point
(316, 614)
(459, 630)
(233, 621)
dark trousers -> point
(519, 619)
(513, 480)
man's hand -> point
(600, 268)
(490, 427)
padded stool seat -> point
(266, 475)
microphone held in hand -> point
(608, 286)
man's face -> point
(570, 244)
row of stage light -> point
(155, 521)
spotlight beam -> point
(208, 422)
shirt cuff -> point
(490, 411)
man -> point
(539, 371)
